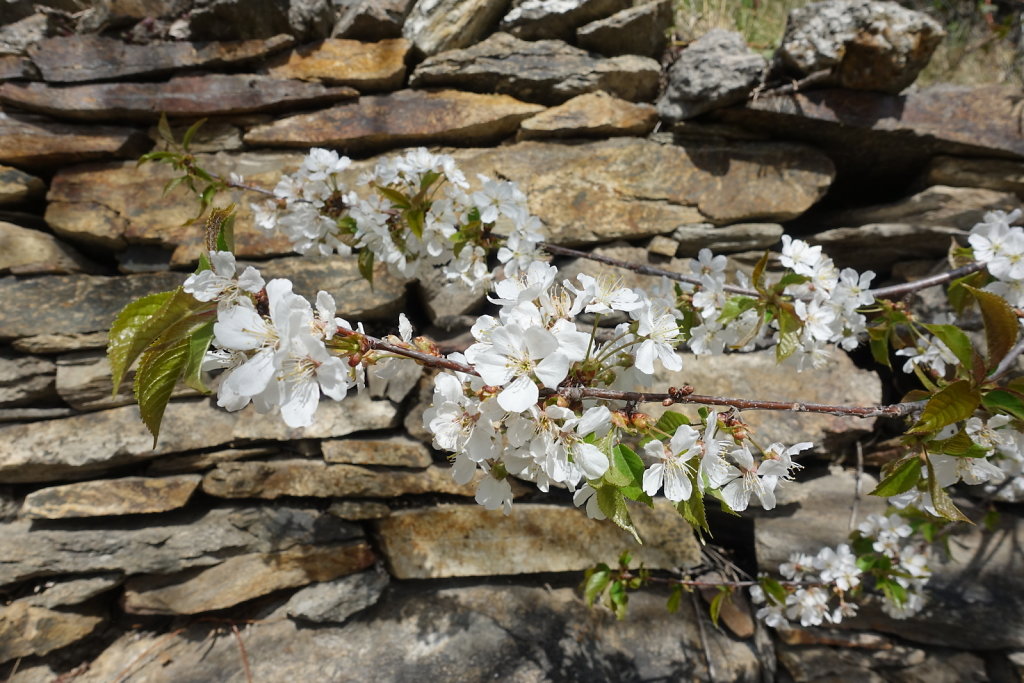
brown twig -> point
(244, 654)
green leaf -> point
(127, 338)
(941, 501)
(220, 229)
(428, 179)
(186, 139)
(959, 445)
(613, 505)
(957, 292)
(415, 219)
(692, 510)
(397, 199)
(958, 401)
(757, 277)
(991, 519)
(788, 279)
(879, 344)
(675, 598)
(1001, 324)
(198, 343)
(595, 585)
(163, 129)
(633, 464)
(789, 334)
(958, 342)
(999, 400)
(736, 306)
(773, 589)
(903, 478)
(636, 493)
(717, 602)
(670, 421)
(366, 265)
(159, 371)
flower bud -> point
(641, 421)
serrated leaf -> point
(636, 493)
(172, 183)
(365, 261)
(126, 338)
(186, 139)
(957, 342)
(1001, 326)
(957, 292)
(736, 306)
(670, 421)
(999, 400)
(198, 343)
(159, 371)
(613, 505)
(901, 479)
(220, 229)
(632, 461)
(941, 501)
(959, 445)
(693, 511)
(595, 585)
(958, 401)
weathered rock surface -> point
(99, 497)
(457, 540)
(537, 19)
(60, 343)
(73, 303)
(84, 382)
(162, 545)
(628, 188)
(80, 58)
(247, 19)
(757, 375)
(881, 245)
(303, 477)
(26, 380)
(371, 19)
(366, 66)
(952, 207)
(243, 577)
(212, 136)
(33, 140)
(397, 452)
(358, 510)
(184, 96)
(545, 71)
(639, 30)
(406, 117)
(26, 630)
(590, 115)
(335, 601)
(32, 252)
(714, 71)
(725, 239)
(17, 186)
(994, 174)
(73, 591)
(197, 462)
(489, 632)
(866, 45)
(437, 25)
(78, 447)
(16, 67)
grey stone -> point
(952, 207)
(474, 633)
(726, 239)
(715, 71)
(882, 245)
(545, 71)
(80, 446)
(26, 630)
(212, 136)
(17, 36)
(1003, 175)
(866, 45)
(73, 591)
(102, 497)
(437, 25)
(335, 601)
(198, 462)
(24, 251)
(307, 20)
(395, 452)
(356, 510)
(25, 380)
(370, 19)
(84, 382)
(38, 141)
(164, 545)
(50, 343)
(640, 30)
(539, 19)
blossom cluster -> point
(416, 212)
(1000, 246)
(883, 556)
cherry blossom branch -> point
(896, 291)
(673, 395)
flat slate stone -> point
(879, 246)
(242, 578)
(81, 58)
(406, 117)
(25, 380)
(184, 96)
(100, 497)
(397, 452)
(371, 19)
(33, 140)
(951, 207)
(16, 67)
(537, 19)
(32, 252)
(26, 630)
(639, 30)
(303, 477)
(74, 591)
(545, 71)
(49, 343)
(365, 66)
(449, 24)
(335, 601)
(467, 540)
(590, 115)
(161, 545)
(16, 186)
(84, 383)
(994, 174)
(629, 188)
(78, 447)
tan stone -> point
(79, 58)
(32, 252)
(456, 540)
(76, 447)
(273, 479)
(242, 578)
(26, 630)
(197, 462)
(184, 96)
(951, 207)
(995, 174)
(33, 140)
(61, 343)
(591, 115)
(358, 510)
(397, 452)
(84, 383)
(406, 117)
(17, 186)
(365, 66)
(450, 24)
(124, 496)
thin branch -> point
(673, 395)
(896, 291)
(1007, 362)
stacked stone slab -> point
(335, 546)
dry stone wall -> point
(238, 549)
